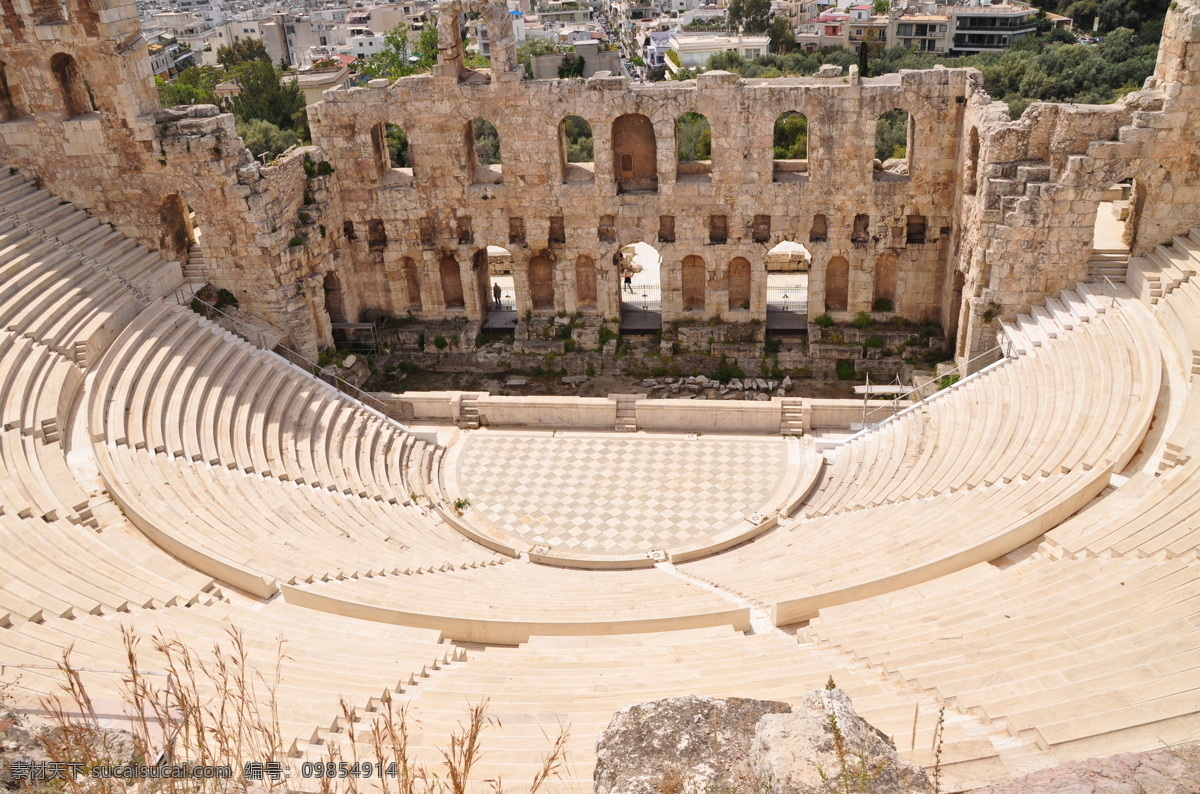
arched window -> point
(391, 148)
(541, 282)
(885, 284)
(452, 289)
(8, 103)
(635, 153)
(71, 87)
(412, 283)
(577, 149)
(585, 281)
(177, 236)
(693, 283)
(483, 152)
(693, 148)
(837, 284)
(739, 283)
(893, 145)
(971, 174)
(819, 232)
(791, 148)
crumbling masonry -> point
(991, 217)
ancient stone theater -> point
(1003, 575)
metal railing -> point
(507, 301)
(646, 297)
(895, 401)
(787, 298)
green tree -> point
(487, 142)
(783, 39)
(244, 51)
(578, 136)
(263, 137)
(262, 94)
(195, 85)
(397, 143)
(756, 16)
(571, 66)
(693, 138)
(791, 136)
(881, 7)
(392, 60)
(891, 135)
(531, 48)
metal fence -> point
(787, 299)
(507, 302)
(646, 297)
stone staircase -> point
(196, 268)
(1159, 272)
(1043, 323)
(468, 413)
(792, 420)
(1108, 263)
(626, 412)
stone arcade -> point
(991, 217)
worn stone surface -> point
(680, 745)
(1170, 770)
(801, 753)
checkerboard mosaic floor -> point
(612, 494)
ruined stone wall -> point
(99, 139)
(447, 207)
(1028, 218)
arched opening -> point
(639, 271)
(739, 283)
(585, 282)
(893, 145)
(885, 284)
(334, 303)
(376, 234)
(541, 282)
(392, 149)
(819, 232)
(971, 173)
(791, 148)
(483, 152)
(959, 331)
(837, 284)
(861, 233)
(177, 234)
(8, 103)
(635, 153)
(787, 287)
(577, 150)
(1115, 229)
(494, 266)
(71, 87)
(693, 148)
(451, 278)
(692, 278)
(412, 284)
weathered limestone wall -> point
(448, 208)
(125, 159)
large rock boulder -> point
(824, 746)
(697, 745)
(684, 745)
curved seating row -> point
(506, 604)
(183, 415)
(368, 658)
(580, 682)
(1093, 655)
(1084, 399)
(806, 565)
